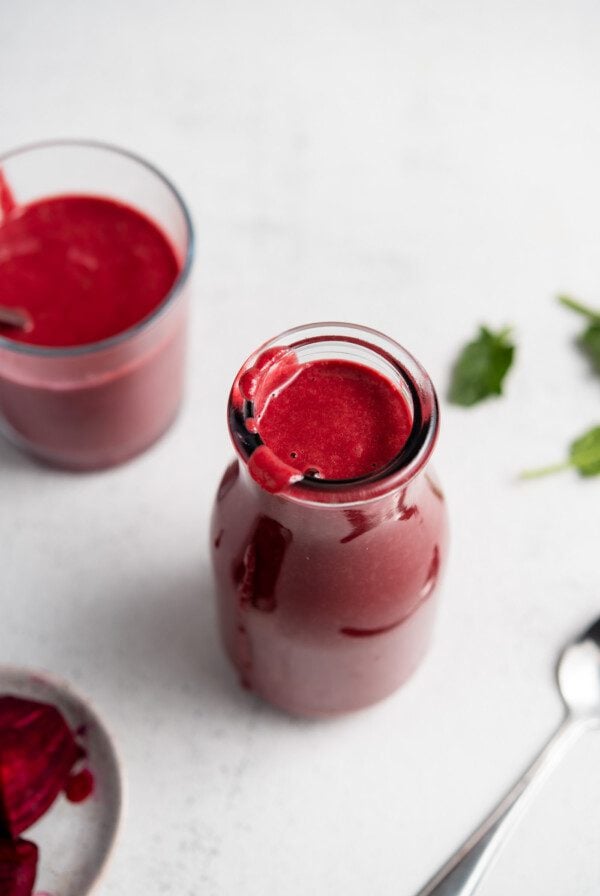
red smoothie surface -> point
(84, 268)
(335, 419)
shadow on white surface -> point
(12, 459)
(159, 637)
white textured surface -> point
(415, 166)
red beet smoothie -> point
(326, 597)
(336, 419)
(85, 269)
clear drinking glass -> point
(95, 405)
(327, 589)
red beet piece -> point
(18, 866)
(79, 787)
(37, 752)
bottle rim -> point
(369, 347)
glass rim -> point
(403, 466)
(67, 351)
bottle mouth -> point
(340, 341)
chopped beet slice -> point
(37, 752)
(18, 866)
(79, 786)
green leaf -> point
(480, 368)
(584, 456)
(585, 453)
(589, 341)
(580, 308)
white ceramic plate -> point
(74, 839)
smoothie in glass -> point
(95, 252)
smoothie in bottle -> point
(329, 531)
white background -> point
(415, 166)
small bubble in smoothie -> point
(312, 473)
